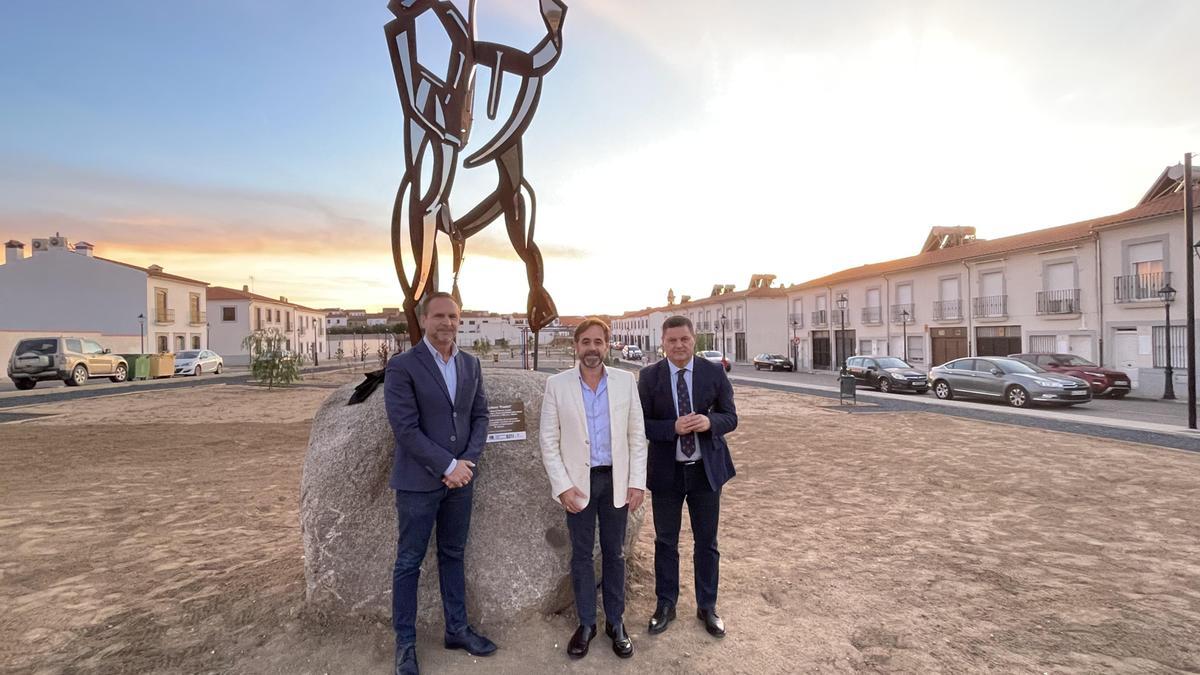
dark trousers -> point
(416, 514)
(582, 528)
(704, 506)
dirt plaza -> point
(851, 542)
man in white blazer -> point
(594, 448)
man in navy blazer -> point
(438, 412)
(687, 404)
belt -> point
(689, 462)
(606, 468)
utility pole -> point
(1188, 219)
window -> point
(163, 345)
(258, 318)
(1042, 343)
(948, 288)
(195, 342)
(962, 364)
(180, 343)
(864, 347)
(872, 297)
(916, 349)
(904, 294)
(991, 284)
(1146, 258)
(1178, 346)
(277, 317)
(1059, 276)
(229, 314)
(75, 346)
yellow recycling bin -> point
(162, 365)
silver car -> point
(70, 359)
(197, 361)
(1019, 383)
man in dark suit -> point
(438, 412)
(688, 407)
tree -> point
(482, 347)
(383, 352)
(270, 362)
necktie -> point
(686, 443)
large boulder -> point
(518, 550)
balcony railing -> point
(703, 326)
(796, 320)
(898, 313)
(872, 315)
(820, 318)
(947, 310)
(162, 315)
(1064, 301)
(990, 306)
(197, 318)
(1139, 287)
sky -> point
(676, 145)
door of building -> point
(822, 359)
(947, 344)
(997, 340)
(739, 345)
(1127, 354)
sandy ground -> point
(863, 541)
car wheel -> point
(220, 366)
(196, 372)
(78, 376)
(756, 367)
(942, 390)
(121, 374)
(1118, 394)
(1017, 397)
(25, 384)
(885, 385)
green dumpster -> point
(139, 366)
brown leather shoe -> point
(577, 648)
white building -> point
(67, 290)
(236, 314)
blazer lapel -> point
(577, 397)
(700, 385)
(461, 366)
(426, 357)
(665, 384)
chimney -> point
(84, 248)
(13, 251)
(155, 268)
(282, 299)
(245, 288)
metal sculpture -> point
(438, 116)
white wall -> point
(184, 326)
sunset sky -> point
(677, 144)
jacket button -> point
(587, 442)
(454, 414)
(452, 439)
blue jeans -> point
(582, 528)
(416, 515)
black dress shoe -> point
(622, 645)
(471, 642)
(577, 648)
(663, 616)
(406, 660)
(712, 623)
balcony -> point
(872, 315)
(898, 313)
(197, 318)
(704, 326)
(796, 320)
(738, 324)
(163, 316)
(1139, 287)
(1064, 301)
(820, 318)
(990, 306)
(947, 310)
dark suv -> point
(887, 373)
(1103, 381)
(70, 359)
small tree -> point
(482, 347)
(383, 352)
(340, 354)
(269, 361)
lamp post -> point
(839, 343)
(904, 331)
(724, 341)
(142, 331)
(795, 343)
(1168, 296)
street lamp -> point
(904, 316)
(724, 341)
(142, 331)
(1168, 296)
(839, 343)
(795, 343)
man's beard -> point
(591, 359)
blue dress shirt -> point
(687, 378)
(595, 406)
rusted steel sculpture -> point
(438, 116)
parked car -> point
(887, 373)
(197, 361)
(632, 353)
(716, 357)
(773, 362)
(70, 359)
(1104, 381)
(1018, 382)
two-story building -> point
(236, 314)
(66, 290)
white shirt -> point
(449, 370)
(687, 379)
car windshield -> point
(892, 363)
(1073, 361)
(40, 347)
(1011, 366)
(775, 356)
(187, 355)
